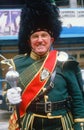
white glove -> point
(14, 95)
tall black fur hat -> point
(38, 15)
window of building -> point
(80, 3)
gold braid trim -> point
(66, 122)
(63, 123)
(79, 120)
(27, 122)
(49, 117)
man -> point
(51, 97)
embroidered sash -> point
(36, 84)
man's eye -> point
(44, 35)
(34, 37)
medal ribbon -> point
(36, 84)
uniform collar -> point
(37, 57)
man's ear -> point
(52, 40)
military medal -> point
(62, 56)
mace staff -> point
(12, 78)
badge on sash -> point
(44, 74)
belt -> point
(47, 107)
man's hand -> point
(14, 95)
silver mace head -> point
(12, 77)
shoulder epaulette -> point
(19, 56)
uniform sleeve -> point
(74, 84)
(79, 78)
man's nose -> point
(40, 39)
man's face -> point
(40, 42)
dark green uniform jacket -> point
(66, 84)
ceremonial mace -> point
(12, 78)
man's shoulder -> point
(19, 56)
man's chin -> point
(41, 53)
